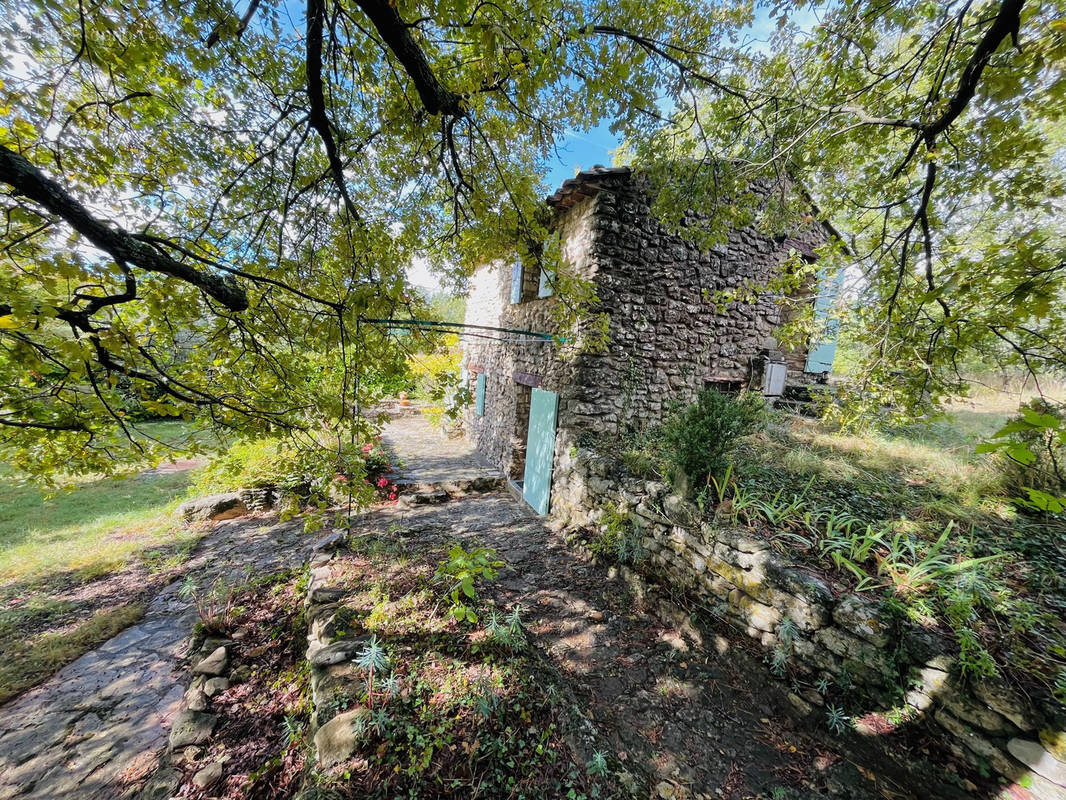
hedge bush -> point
(699, 440)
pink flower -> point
(338, 478)
(367, 448)
(383, 482)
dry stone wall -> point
(668, 337)
(893, 664)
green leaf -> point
(1038, 420)
(1020, 452)
(1043, 501)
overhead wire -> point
(463, 330)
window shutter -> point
(822, 351)
(545, 289)
(479, 397)
(516, 281)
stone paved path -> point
(108, 713)
(427, 457)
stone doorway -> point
(520, 434)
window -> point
(546, 279)
(479, 395)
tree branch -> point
(18, 173)
(1006, 23)
(316, 18)
(45, 426)
(216, 33)
(397, 35)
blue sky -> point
(584, 150)
(581, 151)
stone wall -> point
(667, 338)
(501, 430)
(891, 663)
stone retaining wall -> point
(894, 664)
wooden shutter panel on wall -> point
(479, 396)
(516, 281)
(545, 289)
(822, 351)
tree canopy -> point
(201, 201)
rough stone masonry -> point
(667, 338)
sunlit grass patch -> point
(91, 530)
(26, 663)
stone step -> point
(453, 487)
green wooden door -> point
(540, 450)
(479, 395)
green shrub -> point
(246, 464)
(616, 538)
(1034, 456)
(699, 440)
(459, 575)
(381, 384)
(306, 475)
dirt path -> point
(691, 709)
(690, 721)
(105, 716)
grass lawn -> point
(87, 531)
(916, 481)
(77, 566)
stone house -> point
(666, 339)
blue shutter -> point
(479, 397)
(545, 289)
(821, 352)
(516, 281)
(540, 450)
